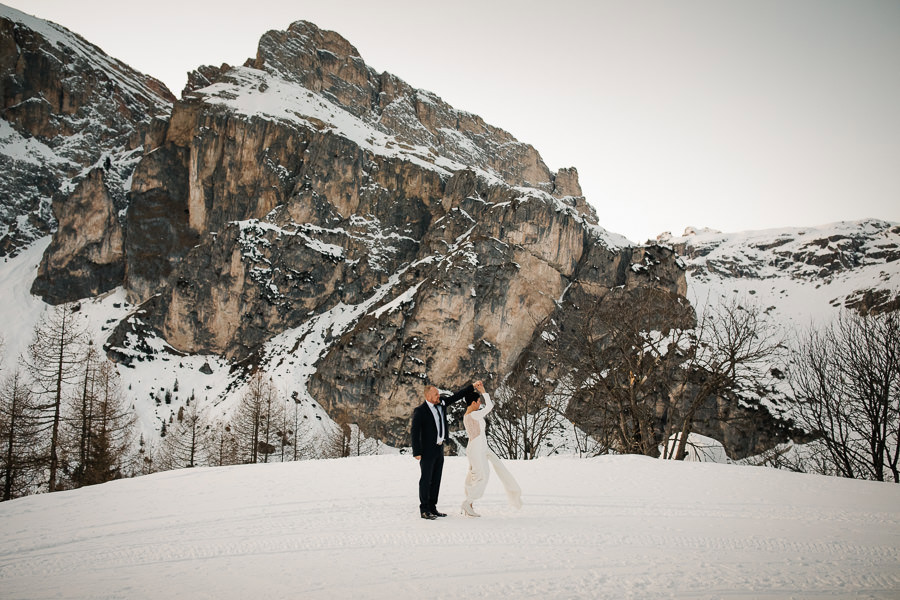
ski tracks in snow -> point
(604, 528)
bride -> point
(479, 455)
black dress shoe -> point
(438, 513)
(429, 516)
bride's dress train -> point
(481, 459)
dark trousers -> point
(432, 465)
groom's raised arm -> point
(466, 392)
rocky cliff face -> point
(304, 183)
(333, 225)
(327, 64)
(73, 122)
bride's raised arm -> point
(486, 406)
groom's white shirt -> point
(437, 421)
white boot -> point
(468, 510)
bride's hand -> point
(478, 385)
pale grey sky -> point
(710, 113)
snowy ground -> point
(616, 527)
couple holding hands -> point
(429, 432)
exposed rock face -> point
(326, 63)
(392, 238)
(157, 221)
(85, 257)
(68, 110)
(487, 273)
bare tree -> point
(728, 352)
(19, 436)
(297, 442)
(347, 438)
(846, 385)
(54, 360)
(81, 416)
(110, 429)
(337, 442)
(526, 412)
(257, 419)
(638, 366)
(616, 360)
(184, 445)
(222, 445)
(144, 461)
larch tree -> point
(222, 445)
(80, 418)
(112, 426)
(186, 443)
(18, 436)
(257, 418)
(54, 360)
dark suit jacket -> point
(424, 429)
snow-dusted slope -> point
(625, 527)
(78, 49)
(799, 276)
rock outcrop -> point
(69, 112)
(85, 257)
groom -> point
(429, 432)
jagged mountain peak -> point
(78, 56)
(317, 59)
(305, 68)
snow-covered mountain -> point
(613, 527)
(351, 235)
(347, 233)
(798, 275)
(67, 109)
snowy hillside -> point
(797, 275)
(622, 527)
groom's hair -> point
(431, 387)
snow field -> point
(612, 527)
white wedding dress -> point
(481, 458)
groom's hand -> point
(419, 457)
